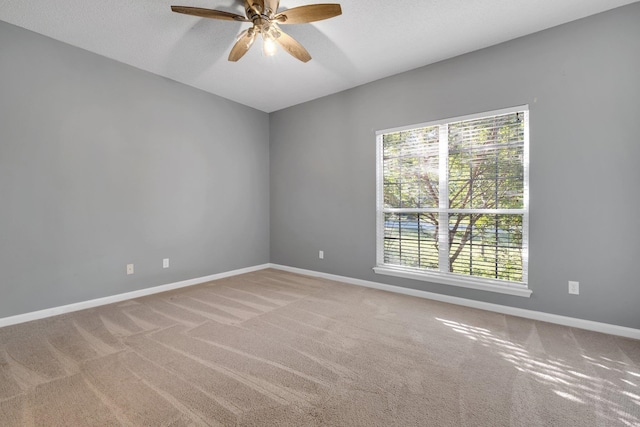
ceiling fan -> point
(266, 21)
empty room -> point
(288, 213)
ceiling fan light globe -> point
(269, 46)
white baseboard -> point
(513, 311)
(41, 314)
(572, 322)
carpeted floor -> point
(272, 348)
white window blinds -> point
(453, 197)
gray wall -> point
(581, 81)
(102, 165)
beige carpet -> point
(273, 348)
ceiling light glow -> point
(268, 44)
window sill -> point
(520, 290)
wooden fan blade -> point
(208, 13)
(254, 6)
(309, 13)
(271, 7)
(242, 46)
(293, 47)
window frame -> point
(445, 277)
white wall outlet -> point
(574, 288)
(321, 254)
(129, 268)
(165, 263)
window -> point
(452, 203)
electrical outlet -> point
(574, 288)
(165, 263)
(321, 254)
(129, 268)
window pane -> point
(485, 183)
(411, 168)
(486, 163)
(486, 245)
(411, 240)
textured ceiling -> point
(372, 39)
